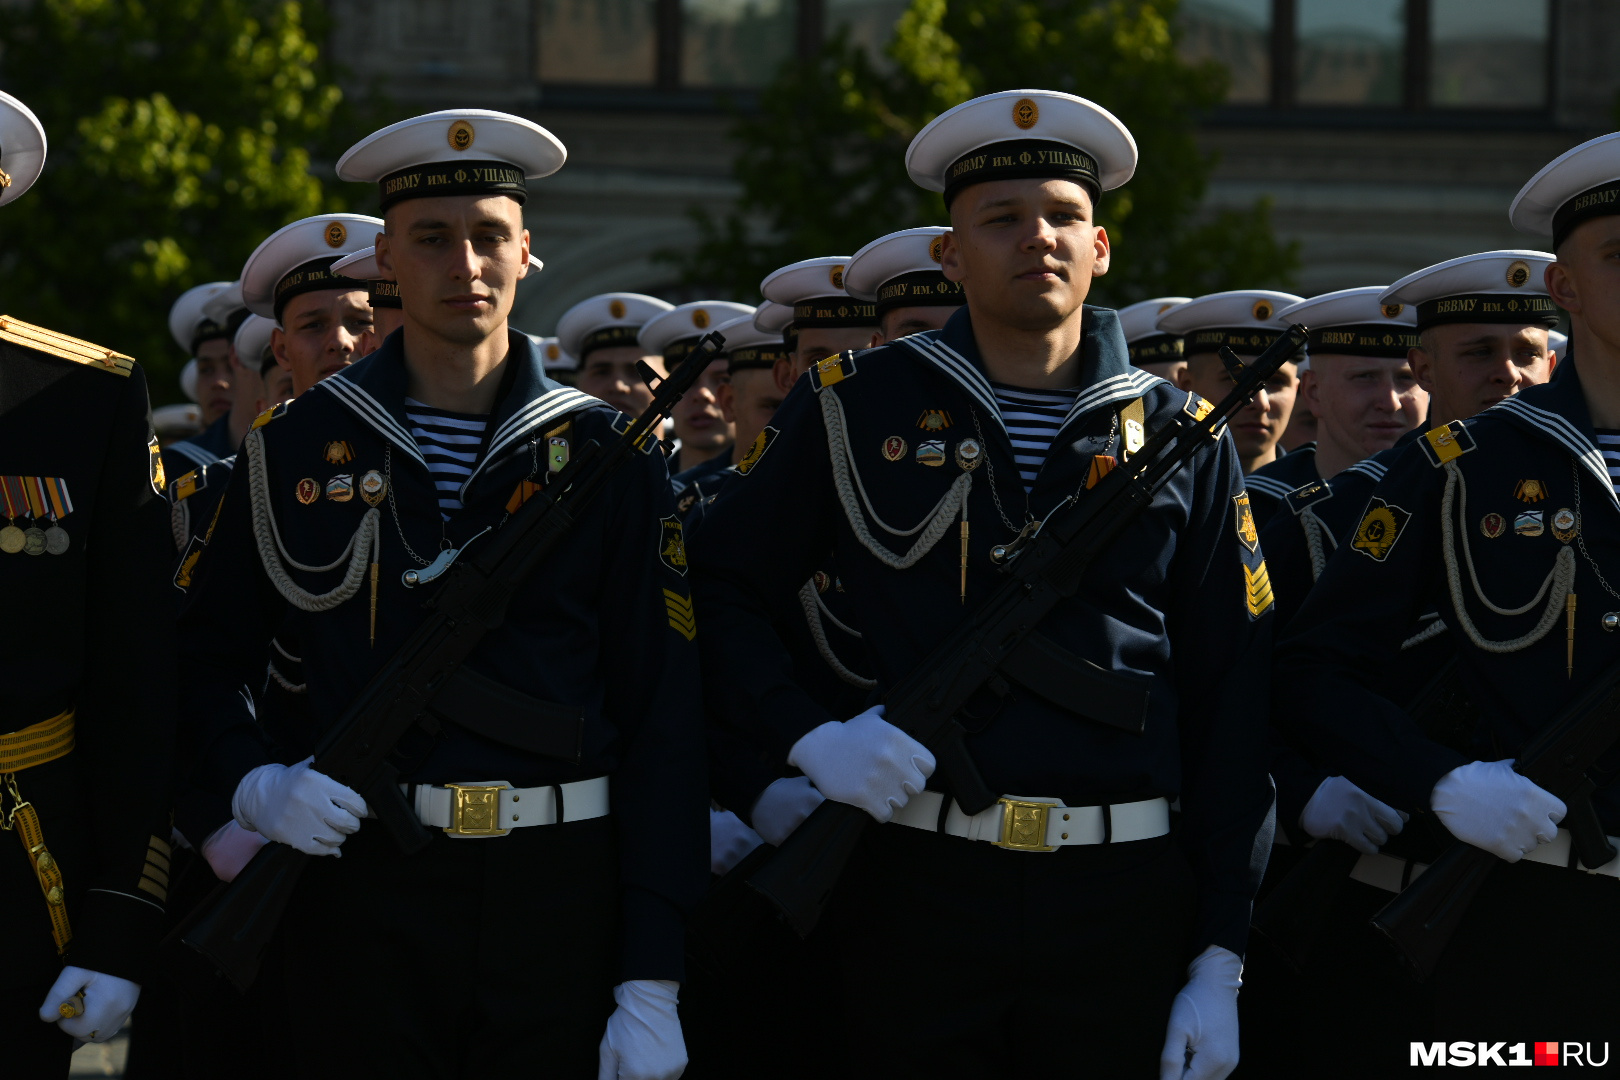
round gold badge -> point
(836, 276)
(616, 308)
(936, 248)
(700, 319)
(552, 352)
(1026, 113)
(461, 135)
(1262, 309)
(1518, 272)
(336, 234)
(1392, 311)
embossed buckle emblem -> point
(475, 810)
(1023, 825)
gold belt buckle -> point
(475, 810)
(1023, 825)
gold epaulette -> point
(50, 342)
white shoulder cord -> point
(180, 523)
(361, 550)
(1314, 532)
(282, 680)
(814, 609)
(1560, 580)
(1433, 630)
(847, 481)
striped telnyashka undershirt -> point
(449, 443)
(1033, 418)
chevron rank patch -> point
(1443, 444)
(155, 874)
(1243, 518)
(762, 443)
(681, 618)
(672, 545)
(1257, 586)
(1380, 527)
(1301, 498)
(834, 369)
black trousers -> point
(31, 1049)
(961, 959)
(472, 958)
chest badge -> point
(894, 448)
(338, 452)
(556, 454)
(1244, 518)
(373, 488)
(934, 420)
(968, 454)
(931, 452)
(308, 490)
(1101, 466)
(823, 582)
(1565, 525)
(1530, 491)
(1492, 526)
(341, 487)
(1528, 523)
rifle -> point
(1421, 920)
(999, 641)
(1292, 917)
(234, 930)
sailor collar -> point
(1557, 410)
(1106, 372)
(208, 445)
(374, 390)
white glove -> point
(730, 840)
(299, 807)
(1341, 811)
(230, 848)
(1487, 804)
(1204, 1019)
(643, 1039)
(783, 806)
(108, 1001)
(864, 761)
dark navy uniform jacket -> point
(91, 630)
(208, 445)
(605, 625)
(1180, 597)
(1525, 469)
(1270, 484)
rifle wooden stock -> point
(1042, 571)
(471, 602)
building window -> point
(869, 23)
(1237, 34)
(1488, 53)
(1349, 54)
(598, 42)
(734, 42)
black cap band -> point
(1022, 159)
(208, 330)
(790, 339)
(1601, 201)
(1524, 309)
(1240, 339)
(1365, 339)
(384, 294)
(609, 337)
(314, 276)
(752, 357)
(453, 178)
(922, 288)
(1156, 348)
(234, 323)
(833, 311)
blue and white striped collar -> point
(1557, 410)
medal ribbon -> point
(36, 496)
(5, 493)
(61, 503)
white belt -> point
(1390, 873)
(1023, 824)
(494, 807)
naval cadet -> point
(826, 319)
(748, 398)
(703, 435)
(1133, 933)
(1506, 524)
(1151, 349)
(600, 332)
(88, 728)
(387, 315)
(572, 899)
(207, 380)
(900, 273)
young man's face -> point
(278, 387)
(610, 374)
(214, 395)
(750, 399)
(1362, 404)
(246, 387)
(1468, 367)
(900, 322)
(457, 260)
(384, 321)
(322, 332)
(1259, 424)
(1025, 250)
(1168, 370)
(700, 422)
(1585, 281)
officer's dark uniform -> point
(928, 921)
(90, 670)
(1270, 484)
(521, 927)
(1526, 500)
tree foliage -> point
(822, 160)
(181, 134)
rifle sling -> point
(510, 717)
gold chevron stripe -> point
(681, 617)
(1258, 584)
